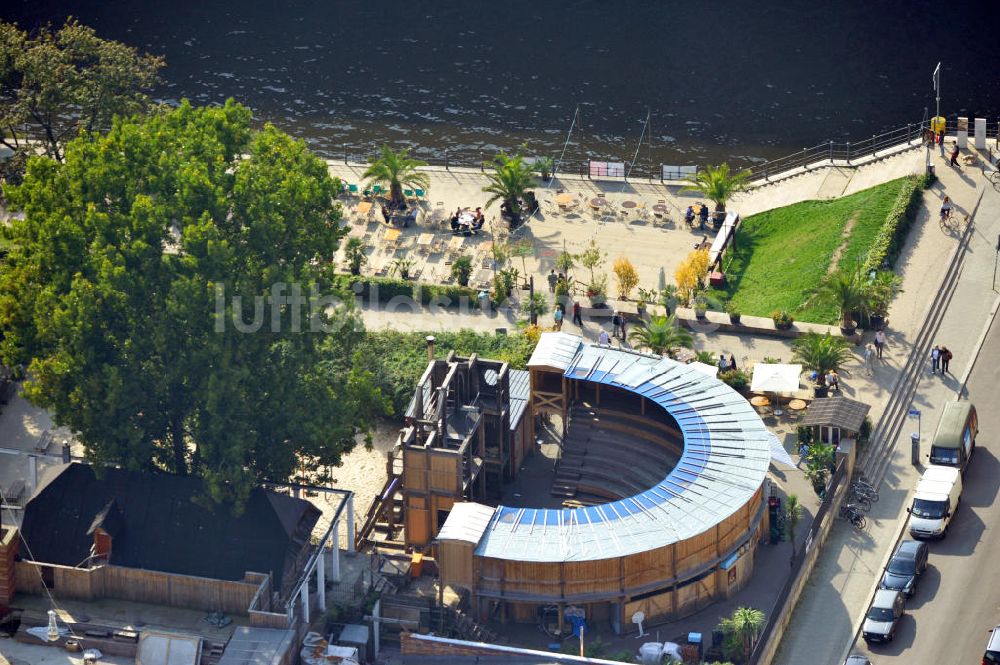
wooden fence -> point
(138, 585)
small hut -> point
(837, 421)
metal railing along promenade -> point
(829, 153)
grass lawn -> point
(782, 255)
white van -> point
(935, 501)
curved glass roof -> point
(725, 460)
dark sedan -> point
(907, 564)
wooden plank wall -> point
(143, 586)
(455, 562)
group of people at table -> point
(467, 222)
(701, 213)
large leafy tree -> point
(61, 82)
(396, 169)
(509, 180)
(120, 292)
(718, 184)
(661, 335)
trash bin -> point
(915, 449)
(416, 564)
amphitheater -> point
(659, 488)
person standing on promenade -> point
(879, 342)
(604, 339)
(616, 323)
(869, 355)
(552, 280)
(558, 316)
(945, 359)
(935, 359)
(723, 363)
(577, 318)
(954, 155)
(941, 141)
(732, 361)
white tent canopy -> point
(778, 452)
(775, 378)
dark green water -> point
(722, 80)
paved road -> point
(957, 600)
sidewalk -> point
(830, 610)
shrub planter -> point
(734, 319)
(820, 391)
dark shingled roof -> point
(156, 525)
(840, 412)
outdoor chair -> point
(353, 189)
(408, 193)
(419, 192)
(377, 189)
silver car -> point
(886, 610)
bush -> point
(865, 433)
(736, 379)
(398, 359)
(782, 319)
(384, 289)
(889, 240)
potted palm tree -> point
(396, 170)
(820, 354)
(402, 266)
(461, 270)
(849, 291)
(718, 184)
(734, 313)
(354, 251)
(544, 167)
(661, 335)
(507, 183)
(884, 288)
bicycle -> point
(994, 177)
(852, 514)
(861, 500)
(860, 487)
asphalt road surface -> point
(958, 599)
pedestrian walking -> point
(616, 323)
(945, 359)
(603, 339)
(558, 316)
(954, 155)
(869, 357)
(880, 342)
(803, 454)
(577, 317)
(935, 359)
(623, 324)
(940, 141)
(552, 281)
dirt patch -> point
(845, 236)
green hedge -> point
(890, 238)
(398, 359)
(384, 289)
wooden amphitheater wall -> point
(665, 583)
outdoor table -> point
(392, 235)
(697, 208)
(629, 204)
(466, 218)
(598, 202)
(760, 402)
(455, 243)
(364, 207)
(425, 239)
(565, 199)
(660, 208)
(483, 276)
(357, 232)
(797, 404)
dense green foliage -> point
(718, 184)
(58, 83)
(783, 255)
(111, 295)
(821, 353)
(385, 289)
(509, 179)
(661, 335)
(885, 247)
(397, 359)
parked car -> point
(857, 659)
(884, 614)
(992, 654)
(907, 564)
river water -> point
(740, 81)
